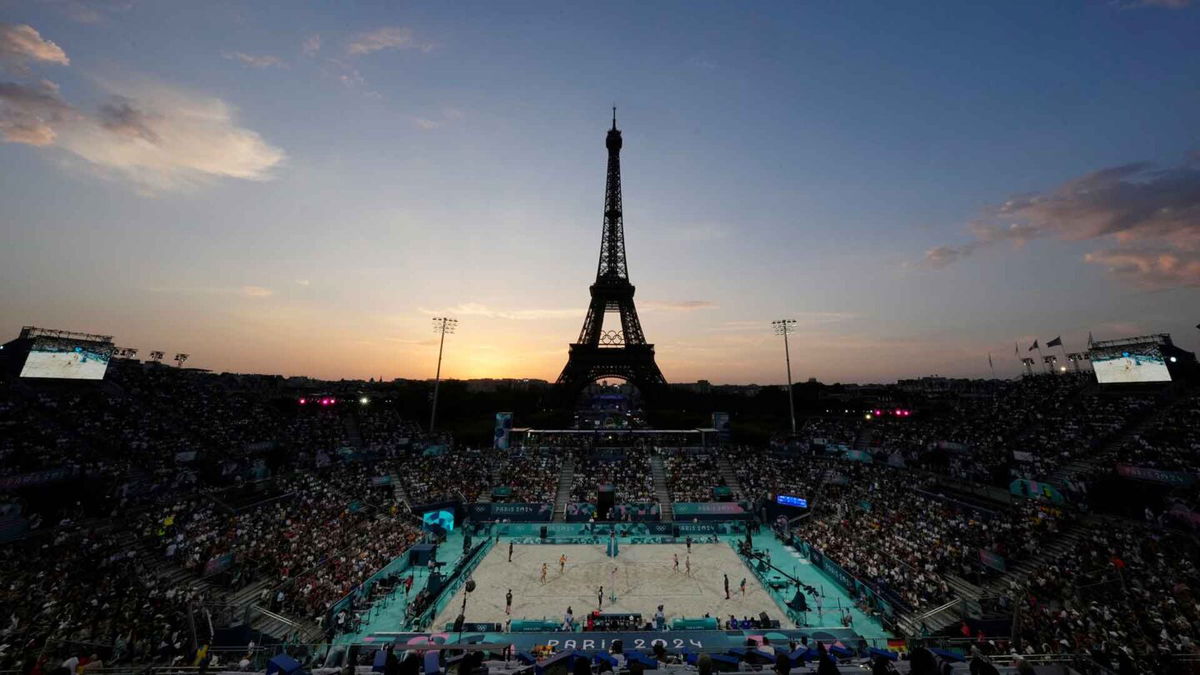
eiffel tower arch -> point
(619, 350)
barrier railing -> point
(276, 617)
(458, 580)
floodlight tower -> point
(784, 327)
(441, 325)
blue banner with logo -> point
(1023, 487)
(698, 640)
(517, 512)
(709, 510)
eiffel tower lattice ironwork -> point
(620, 352)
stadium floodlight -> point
(156, 356)
(441, 325)
(784, 327)
(180, 358)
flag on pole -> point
(1016, 349)
(1056, 342)
(990, 364)
(1034, 346)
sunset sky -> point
(297, 187)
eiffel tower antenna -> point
(622, 351)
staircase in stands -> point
(1166, 407)
(566, 477)
(154, 566)
(1020, 571)
(730, 475)
(353, 435)
(398, 490)
(659, 474)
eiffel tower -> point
(622, 351)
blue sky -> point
(297, 187)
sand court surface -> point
(642, 577)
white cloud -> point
(311, 45)
(243, 291)
(387, 37)
(90, 11)
(21, 44)
(697, 232)
(801, 318)
(254, 61)
(677, 305)
(157, 137)
(255, 292)
(448, 115)
(477, 309)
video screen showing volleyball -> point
(66, 360)
(1130, 363)
(438, 522)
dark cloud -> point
(1151, 214)
(1150, 269)
(121, 117)
(1170, 4)
(944, 256)
(29, 114)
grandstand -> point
(159, 510)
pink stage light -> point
(303, 401)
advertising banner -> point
(690, 529)
(709, 510)
(1023, 487)
(218, 564)
(992, 560)
(578, 512)
(1156, 475)
(706, 640)
(515, 512)
(638, 511)
(35, 478)
(720, 422)
(504, 422)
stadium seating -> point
(187, 488)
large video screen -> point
(438, 522)
(59, 359)
(1130, 363)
